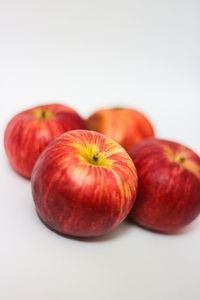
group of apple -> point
(87, 176)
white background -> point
(90, 54)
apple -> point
(29, 132)
(169, 185)
(83, 184)
(125, 126)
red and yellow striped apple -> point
(29, 132)
(125, 126)
(169, 185)
(83, 184)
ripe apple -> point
(125, 126)
(83, 184)
(169, 185)
(29, 132)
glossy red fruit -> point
(30, 131)
(83, 184)
(125, 126)
(169, 185)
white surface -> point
(91, 54)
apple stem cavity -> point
(43, 114)
(181, 160)
(95, 157)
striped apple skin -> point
(169, 185)
(125, 126)
(74, 196)
(27, 135)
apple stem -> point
(95, 157)
(181, 159)
(117, 108)
(43, 114)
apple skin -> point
(29, 132)
(83, 184)
(168, 185)
(125, 126)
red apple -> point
(125, 126)
(169, 185)
(83, 184)
(29, 132)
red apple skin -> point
(29, 132)
(124, 125)
(76, 195)
(169, 185)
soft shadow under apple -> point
(183, 231)
(119, 231)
